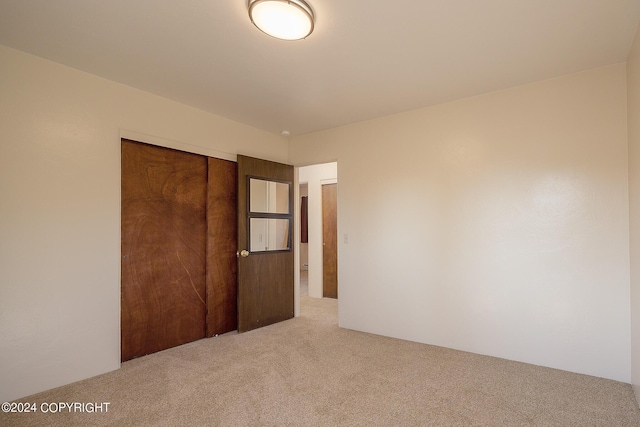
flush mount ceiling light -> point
(282, 19)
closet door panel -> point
(164, 233)
(222, 265)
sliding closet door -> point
(164, 233)
(222, 266)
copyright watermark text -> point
(56, 407)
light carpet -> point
(308, 372)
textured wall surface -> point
(497, 224)
(633, 101)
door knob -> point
(244, 253)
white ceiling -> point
(365, 59)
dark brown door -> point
(163, 248)
(265, 256)
(330, 240)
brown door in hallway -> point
(330, 240)
(265, 255)
(163, 248)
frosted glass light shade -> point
(282, 19)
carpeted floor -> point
(308, 372)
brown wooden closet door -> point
(330, 240)
(163, 248)
(222, 266)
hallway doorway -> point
(311, 180)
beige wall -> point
(633, 102)
(497, 224)
(60, 211)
